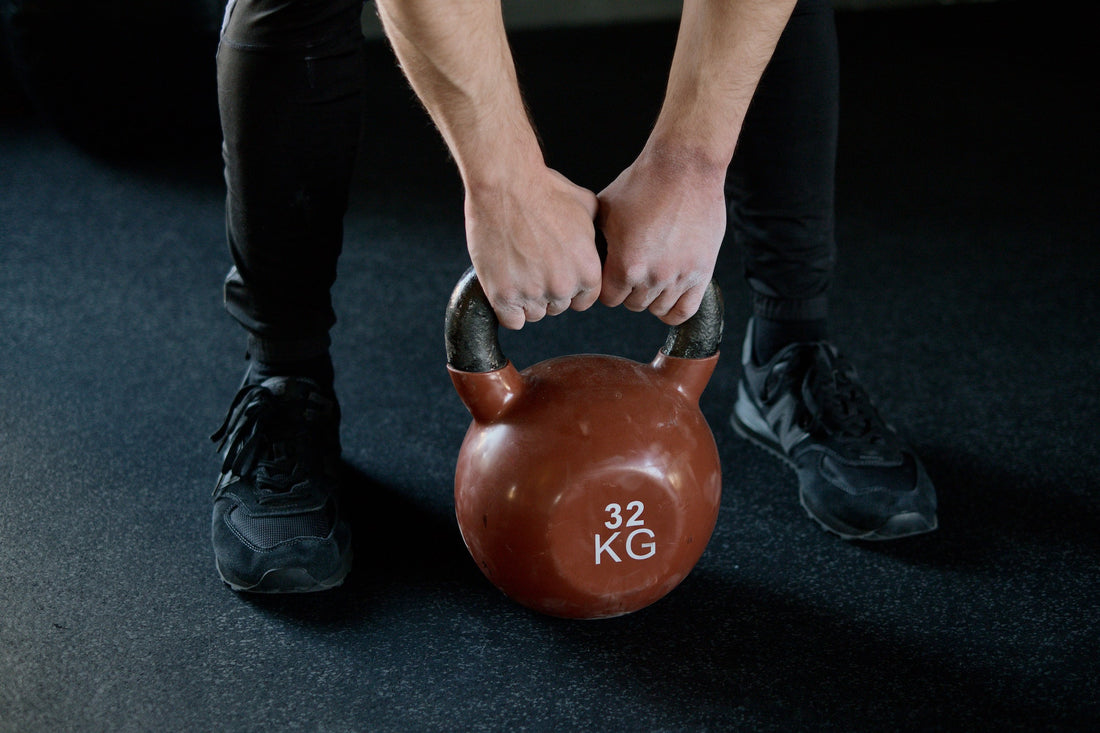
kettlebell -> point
(587, 486)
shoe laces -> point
(837, 403)
(273, 440)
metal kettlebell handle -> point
(470, 329)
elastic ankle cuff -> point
(781, 309)
(284, 350)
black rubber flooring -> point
(968, 294)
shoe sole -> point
(288, 580)
(747, 422)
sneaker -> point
(856, 477)
(276, 528)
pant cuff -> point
(782, 309)
(274, 351)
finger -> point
(534, 311)
(614, 290)
(665, 301)
(511, 317)
(584, 299)
(685, 307)
(640, 298)
(556, 307)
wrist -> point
(495, 163)
(678, 159)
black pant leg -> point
(780, 186)
(291, 83)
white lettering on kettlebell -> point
(606, 547)
(650, 547)
(616, 513)
(615, 520)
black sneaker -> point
(856, 477)
(276, 528)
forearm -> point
(722, 49)
(456, 56)
(529, 230)
(665, 216)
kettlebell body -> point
(587, 486)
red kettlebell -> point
(587, 486)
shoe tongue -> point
(841, 409)
(810, 396)
(819, 370)
(288, 414)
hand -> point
(664, 222)
(532, 243)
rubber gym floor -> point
(967, 294)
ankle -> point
(770, 337)
(318, 369)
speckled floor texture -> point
(968, 295)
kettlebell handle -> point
(470, 329)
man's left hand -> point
(664, 221)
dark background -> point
(967, 294)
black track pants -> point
(291, 92)
(291, 78)
(780, 186)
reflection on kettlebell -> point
(587, 486)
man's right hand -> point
(532, 241)
(529, 230)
